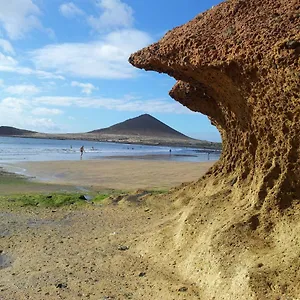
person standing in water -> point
(81, 151)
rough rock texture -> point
(238, 63)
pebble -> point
(61, 285)
(123, 248)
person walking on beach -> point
(81, 151)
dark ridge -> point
(12, 131)
(144, 125)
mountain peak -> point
(143, 125)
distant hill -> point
(12, 131)
(144, 129)
(144, 125)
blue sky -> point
(64, 64)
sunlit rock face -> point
(238, 230)
(238, 63)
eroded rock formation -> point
(238, 63)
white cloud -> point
(18, 17)
(40, 124)
(6, 46)
(87, 88)
(43, 111)
(55, 100)
(22, 89)
(15, 112)
(106, 58)
(15, 105)
(7, 61)
(9, 65)
(120, 104)
(70, 10)
(114, 14)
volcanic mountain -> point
(144, 125)
(12, 131)
(144, 129)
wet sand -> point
(113, 174)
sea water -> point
(14, 149)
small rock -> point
(61, 285)
(260, 265)
(123, 248)
(82, 197)
(142, 274)
(183, 289)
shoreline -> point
(16, 183)
(121, 174)
(131, 140)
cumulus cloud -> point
(86, 88)
(114, 14)
(6, 46)
(43, 111)
(70, 10)
(18, 17)
(15, 105)
(10, 65)
(106, 58)
(22, 89)
(16, 112)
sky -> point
(64, 64)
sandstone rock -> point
(238, 63)
(230, 65)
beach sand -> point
(124, 175)
(96, 251)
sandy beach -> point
(94, 251)
(124, 175)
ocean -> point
(13, 149)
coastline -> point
(132, 140)
(121, 174)
(16, 183)
(89, 249)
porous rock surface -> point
(236, 235)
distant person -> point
(170, 151)
(81, 151)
